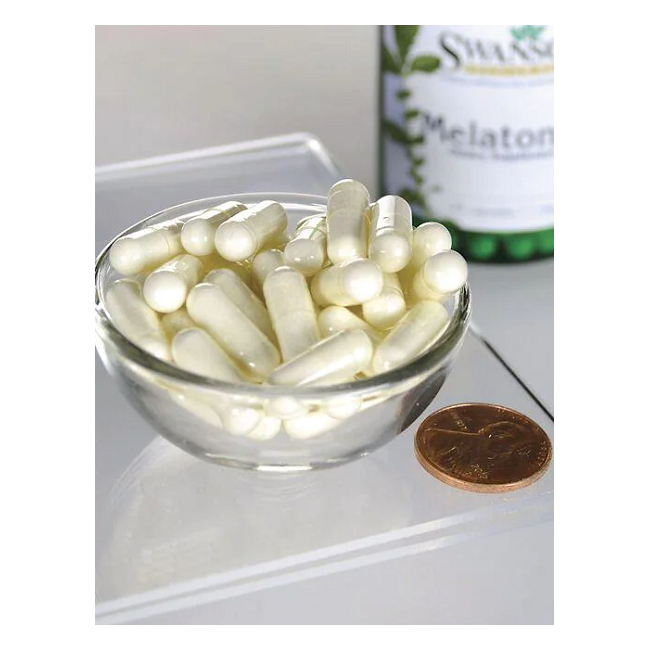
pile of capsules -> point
(230, 295)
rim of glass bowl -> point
(430, 359)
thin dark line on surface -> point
(515, 376)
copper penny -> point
(483, 448)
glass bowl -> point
(296, 428)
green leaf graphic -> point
(417, 162)
(403, 94)
(388, 62)
(425, 63)
(416, 139)
(411, 113)
(396, 132)
(536, 30)
(517, 33)
(404, 36)
(527, 31)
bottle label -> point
(468, 123)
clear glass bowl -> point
(187, 409)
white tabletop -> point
(182, 541)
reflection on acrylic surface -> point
(172, 517)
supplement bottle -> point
(467, 133)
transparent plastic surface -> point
(174, 532)
(127, 192)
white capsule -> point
(239, 419)
(176, 321)
(278, 242)
(307, 250)
(440, 276)
(265, 262)
(246, 233)
(342, 408)
(285, 407)
(347, 221)
(147, 248)
(243, 297)
(309, 425)
(388, 307)
(292, 311)
(337, 319)
(196, 351)
(135, 319)
(211, 308)
(214, 262)
(242, 270)
(428, 239)
(350, 283)
(197, 235)
(391, 233)
(166, 288)
(418, 329)
(329, 361)
(268, 428)
(197, 408)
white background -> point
(163, 89)
(600, 197)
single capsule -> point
(440, 276)
(391, 233)
(342, 408)
(350, 283)
(135, 319)
(243, 297)
(148, 248)
(337, 319)
(347, 221)
(418, 329)
(292, 311)
(268, 428)
(176, 321)
(211, 308)
(307, 250)
(247, 232)
(196, 351)
(197, 408)
(166, 288)
(197, 235)
(240, 419)
(265, 262)
(285, 407)
(388, 307)
(309, 425)
(331, 360)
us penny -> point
(483, 447)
